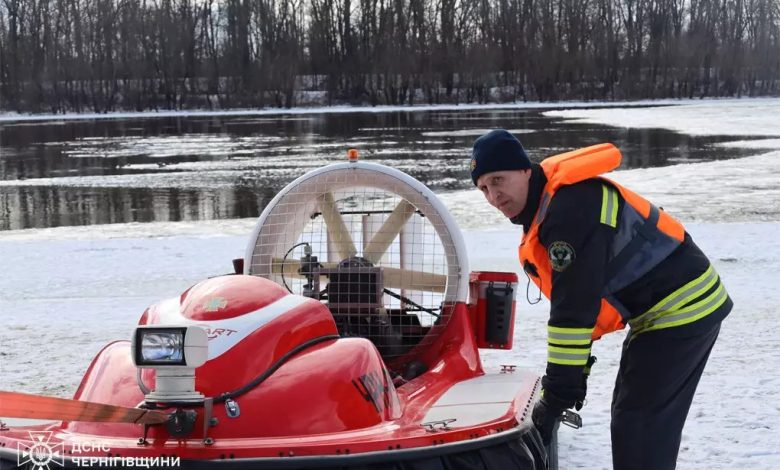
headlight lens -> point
(162, 347)
(170, 346)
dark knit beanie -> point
(498, 150)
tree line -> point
(107, 55)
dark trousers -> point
(655, 384)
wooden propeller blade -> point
(22, 405)
(337, 229)
(381, 241)
(394, 278)
(291, 267)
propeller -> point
(394, 278)
(390, 229)
(341, 239)
(23, 405)
(337, 229)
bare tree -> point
(105, 55)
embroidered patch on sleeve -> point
(561, 255)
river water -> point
(61, 172)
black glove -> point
(585, 373)
(546, 413)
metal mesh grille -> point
(369, 246)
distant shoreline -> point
(9, 117)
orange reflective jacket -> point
(644, 235)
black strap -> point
(645, 232)
(406, 300)
(529, 268)
(279, 362)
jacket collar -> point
(535, 189)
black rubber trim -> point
(521, 441)
(367, 458)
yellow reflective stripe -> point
(613, 219)
(569, 331)
(609, 206)
(564, 342)
(581, 336)
(681, 296)
(569, 336)
(693, 312)
(676, 308)
(687, 292)
(568, 356)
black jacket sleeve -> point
(578, 245)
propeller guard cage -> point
(347, 230)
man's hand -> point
(585, 374)
(544, 416)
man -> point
(606, 258)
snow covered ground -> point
(65, 292)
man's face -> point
(507, 191)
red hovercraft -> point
(347, 339)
